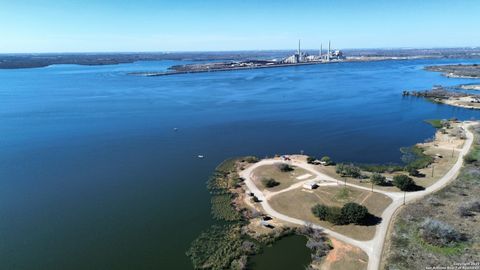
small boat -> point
(200, 156)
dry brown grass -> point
(298, 203)
(344, 257)
(285, 179)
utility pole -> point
(404, 195)
(433, 169)
(453, 150)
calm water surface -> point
(290, 253)
(93, 176)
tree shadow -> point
(370, 220)
(387, 184)
(415, 188)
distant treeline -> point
(12, 61)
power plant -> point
(304, 57)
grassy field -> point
(285, 179)
(298, 203)
(446, 206)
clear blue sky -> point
(201, 25)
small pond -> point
(288, 253)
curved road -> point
(373, 247)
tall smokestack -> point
(328, 55)
(298, 47)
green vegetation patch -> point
(448, 250)
(222, 208)
(220, 247)
(381, 168)
(224, 178)
(348, 170)
(350, 213)
(436, 123)
(415, 157)
(473, 155)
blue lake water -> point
(93, 176)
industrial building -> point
(303, 57)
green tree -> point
(348, 170)
(412, 171)
(378, 179)
(354, 212)
(285, 167)
(320, 211)
(403, 182)
(311, 159)
(270, 182)
(327, 160)
(335, 216)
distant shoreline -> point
(39, 60)
(167, 73)
(276, 65)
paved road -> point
(373, 247)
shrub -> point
(270, 182)
(378, 168)
(222, 208)
(466, 210)
(354, 212)
(216, 248)
(320, 247)
(285, 167)
(335, 216)
(403, 182)
(251, 159)
(349, 213)
(463, 211)
(378, 179)
(469, 158)
(320, 211)
(438, 233)
(412, 171)
(311, 159)
(474, 206)
(348, 170)
(327, 160)
(329, 213)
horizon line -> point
(226, 51)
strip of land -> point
(290, 203)
(449, 97)
(457, 71)
(454, 211)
